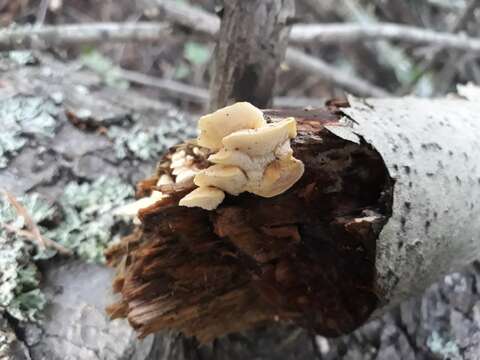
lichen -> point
(88, 219)
(20, 296)
(103, 66)
(86, 227)
(145, 143)
(23, 117)
(447, 349)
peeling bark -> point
(432, 151)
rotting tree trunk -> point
(387, 204)
(254, 260)
(251, 45)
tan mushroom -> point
(132, 209)
(164, 179)
(278, 177)
(207, 198)
(214, 127)
(242, 160)
(260, 141)
(227, 178)
(251, 155)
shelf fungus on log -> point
(277, 231)
(338, 213)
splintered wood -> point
(305, 256)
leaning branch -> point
(44, 37)
(349, 33)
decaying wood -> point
(388, 203)
(251, 45)
(305, 256)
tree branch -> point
(250, 48)
(298, 59)
(192, 93)
(180, 13)
(349, 33)
(460, 24)
(28, 37)
(44, 37)
(201, 96)
(188, 16)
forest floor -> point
(77, 146)
(76, 137)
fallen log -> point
(388, 203)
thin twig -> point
(184, 14)
(27, 234)
(350, 33)
(202, 21)
(22, 211)
(389, 56)
(298, 59)
(51, 36)
(33, 232)
(44, 37)
(459, 25)
(42, 12)
(192, 93)
(194, 18)
(28, 37)
(200, 95)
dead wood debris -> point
(305, 256)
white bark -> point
(432, 151)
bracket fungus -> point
(249, 155)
